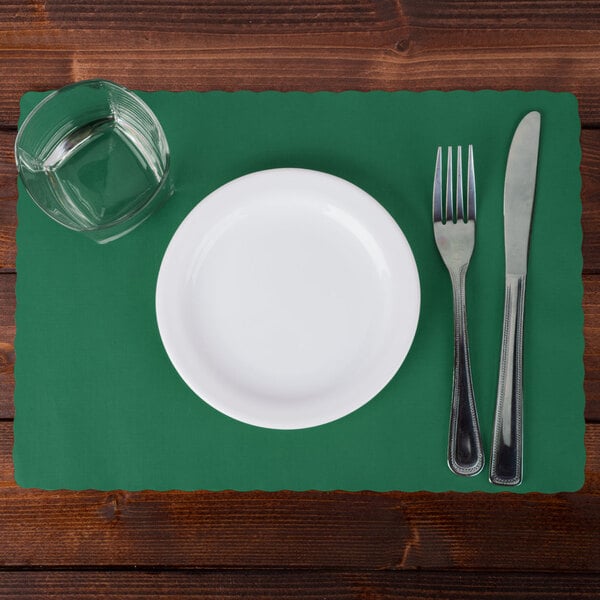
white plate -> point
(287, 298)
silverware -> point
(506, 464)
(455, 242)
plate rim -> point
(166, 339)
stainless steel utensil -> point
(506, 464)
(455, 241)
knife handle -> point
(465, 451)
(506, 463)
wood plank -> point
(8, 204)
(590, 198)
(352, 23)
(310, 585)
(210, 16)
(590, 195)
(349, 23)
(334, 530)
(273, 16)
(7, 338)
(322, 44)
(307, 69)
(591, 311)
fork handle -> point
(506, 464)
(465, 453)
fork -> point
(455, 239)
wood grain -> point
(590, 194)
(312, 545)
(7, 339)
(366, 530)
(8, 205)
(282, 584)
(318, 45)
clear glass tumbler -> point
(94, 157)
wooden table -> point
(304, 545)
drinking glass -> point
(94, 157)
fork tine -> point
(437, 187)
(459, 186)
(449, 202)
(471, 200)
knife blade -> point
(506, 463)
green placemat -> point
(98, 404)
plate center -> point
(285, 297)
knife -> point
(506, 463)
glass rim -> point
(83, 83)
